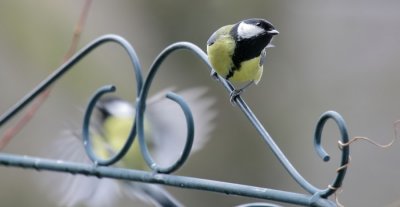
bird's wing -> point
(221, 31)
(168, 128)
(168, 124)
(72, 190)
(150, 193)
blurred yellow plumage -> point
(165, 130)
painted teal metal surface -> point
(101, 167)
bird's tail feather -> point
(152, 193)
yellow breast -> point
(116, 131)
(220, 57)
(221, 51)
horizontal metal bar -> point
(315, 197)
(165, 179)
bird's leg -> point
(214, 75)
(235, 93)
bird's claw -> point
(214, 75)
(234, 94)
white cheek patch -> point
(121, 109)
(246, 31)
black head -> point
(253, 28)
(251, 36)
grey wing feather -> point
(151, 193)
(168, 128)
(72, 190)
(168, 124)
(263, 56)
(259, 205)
(212, 39)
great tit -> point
(165, 130)
(237, 51)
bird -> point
(165, 130)
(237, 51)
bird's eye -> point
(258, 23)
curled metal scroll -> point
(174, 97)
(59, 72)
(323, 193)
(317, 196)
(337, 183)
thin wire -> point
(336, 194)
(354, 139)
(325, 156)
(396, 125)
(337, 198)
(344, 166)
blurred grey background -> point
(330, 55)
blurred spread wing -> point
(72, 190)
(168, 125)
(150, 194)
(168, 129)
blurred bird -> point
(165, 129)
(237, 52)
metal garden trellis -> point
(101, 167)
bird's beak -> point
(273, 32)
